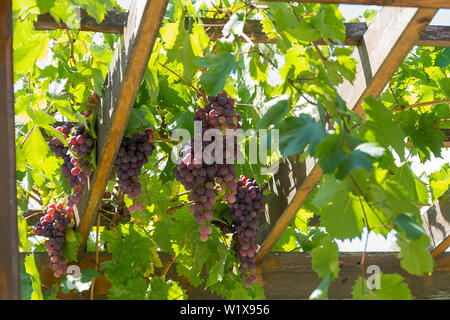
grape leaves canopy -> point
(137, 225)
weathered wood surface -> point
(438, 36)
(286, 275)
(9, 258)
(436, 222)
(124, 77)
(378, 56)
(114, 22)
(393, 3)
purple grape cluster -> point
(92, 102)
(245, 212)
(133, 154)
(220, 113)
(53, 226)
(75, 166)
(207, 180)
(81, 141)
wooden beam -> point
(9, 258)
(392, 3)
(124, 77)
(378, 56)
(114, 22)
(437, 36)
(436, 222)
(280, 274)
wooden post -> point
(382, 49)
(9, 256)
(124, 77)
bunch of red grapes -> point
(245, 212)
(75, 167)
(53, 226)
(91, 103)
(133, 154)
(201, 176)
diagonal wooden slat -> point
(124, 77)
(393, 3)
(384, 46)
(9, 258)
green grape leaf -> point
(26, 285)
(443, 58)
(297, 133)
(325, 259)
(382, 127)
(439, 182)
(332, 159)
(391, 287)
(341, 212)
(408, 224)
(276, 110)
(32, 270)
(287, 241)
(71, 245)
(330, 22)
(160, 289)
(414, 255)
(423, 132)
(219, 67)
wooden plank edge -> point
(128, 76)
(278, 275)
(436, 4)
(440, 248)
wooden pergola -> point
(381, 48)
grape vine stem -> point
(418, 105)
(187, 82)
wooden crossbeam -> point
(9, 258)
(438, 36)
(383, 48)
(124, 77)
(284, 275)
(393, 3)
(114, 22)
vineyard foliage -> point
(289, 85)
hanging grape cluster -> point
(53, 226)
(133, 154)
(75, 167)
(244, 212)
(201, 176)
